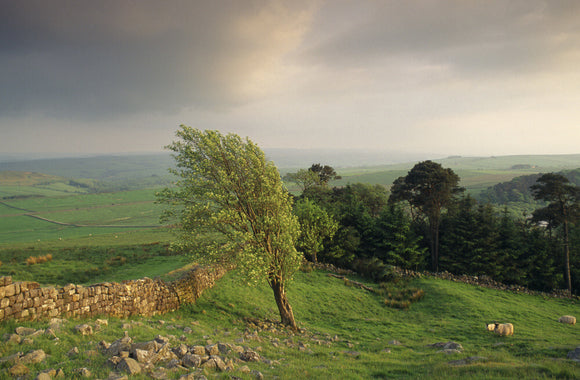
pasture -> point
(347, 333)
(35, 218)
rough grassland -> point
(355, 330)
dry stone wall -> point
(27, 300)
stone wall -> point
(27, 300)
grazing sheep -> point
(504, 329)
(567, 319)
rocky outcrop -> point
(28, 300)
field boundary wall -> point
(29, 301)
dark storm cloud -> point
(104, 58)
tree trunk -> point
(437, 248)
(286, 314)
(567, 258)
(434, 231)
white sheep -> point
(502, 329)
(567, 319)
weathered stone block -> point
(9, 290)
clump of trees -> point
(427, 222)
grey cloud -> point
(468, 36)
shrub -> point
(400, 298)
(38, 259)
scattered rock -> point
(215, 362)
(33, 357)
(224, 349)
(43, 376)
(131, 366)
(12, 338)
(198, 350)
(50, 332)
(82, 372)
(250, 356)
(102, 322)
(116, 376)
(24, 331)
(73, 352)
(123, 344)
(574, 355)
(257, 374)
(395, 343)
(142, 356)
(12, 359)
(19, 369)
(449, 351)
(161, 339)
(447, 346)
(212, 349)
(84, 329)
(191, 360)
(352, 353)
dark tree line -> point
(426, 222)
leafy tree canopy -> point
(232, 207)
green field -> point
(76, 215)
(348, 333)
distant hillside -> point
(124, 172)
(11, 178)
(518, 189)
(99, 167)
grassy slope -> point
(325, 307)
(449, 311)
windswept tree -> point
(563, 207)
(429, 188)
(232, 207)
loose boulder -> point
(129, 365)
(574, 355)
(84, 329)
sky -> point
(447, 77)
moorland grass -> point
(355, 329)
(90, 264)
